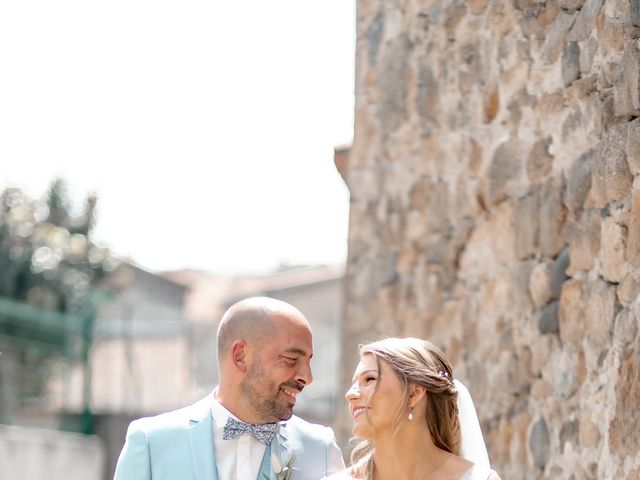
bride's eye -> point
(369, 379)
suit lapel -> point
(201, 441)
(284, 455)
(285, 448)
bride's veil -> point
(472, 443)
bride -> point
(414, 420)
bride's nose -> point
(353, 392)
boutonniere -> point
(283, 473)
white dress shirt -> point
(237, 459)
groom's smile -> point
(291, 393)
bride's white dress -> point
(477, 472)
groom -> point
(245, 429)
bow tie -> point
(262, 432)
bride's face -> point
(374, 398)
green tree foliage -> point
(47, 256)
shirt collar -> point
(219, 413)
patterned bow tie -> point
(263, 432)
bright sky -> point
(206, 127)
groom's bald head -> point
(252, 320)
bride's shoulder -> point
(478, 472)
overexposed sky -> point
(206, 128)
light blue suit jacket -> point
(179, 445)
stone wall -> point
(495, 209)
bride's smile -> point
(375, 397)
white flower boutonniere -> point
(283, 473)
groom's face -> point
(279, 371)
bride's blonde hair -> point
(420, 362)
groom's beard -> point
(264, 395)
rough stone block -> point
(625, 330)
(477, 6)
(504, 170)
(571, 4)
(569, 434)
(600, 312)
(541, 388)
(454, 12)
(632, 145)
(611, 26)
(552, 218)
(548, 321)
(521, 279)
(586, 20)
(627, 85)
(549, 104)
(541, 347)
(421, 192)
(633, 239)
(584, 240)
(634, 12)
(633, 474)
(624, 428)
(612, 254)
(540, 161)
(437, 209)
(374, 35)
(575, 119)
(384, 270)
(485, 253)
(579, 182)
(392, 107)
(491, 106)
(589, 434)
(531, 25)
(539, 443)
(588, 50)
(539, 285)
(628, 290)
(558, 274)
(428, 96)
(611, 178)
(568, 373)
(571, 315)
(570, 63)
(472, 67)
(556, 34)
(526, 226)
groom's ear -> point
(416, 394)
(240, 355)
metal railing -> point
(34, 343)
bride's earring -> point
(410, 416)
